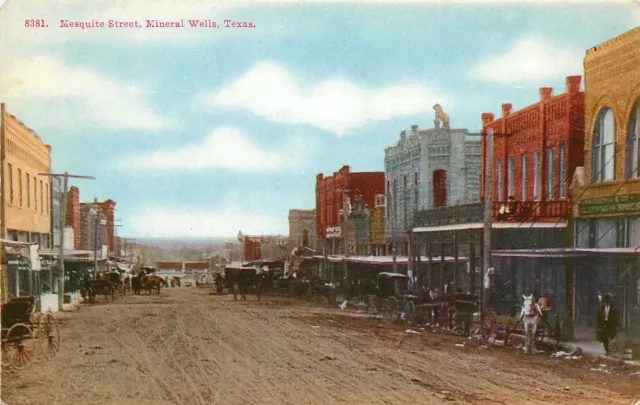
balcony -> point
(456, 214)
(530, 211)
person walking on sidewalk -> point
(606, 323)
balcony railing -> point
(530, 211)
(456, 214)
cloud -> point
(531, 59)
(225, 148)
(335, 105)
(71, 96)
(178, 222)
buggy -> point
(25, 332)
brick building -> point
(536, 151)
(607, 193)
(26, 200)
(93, 227)
(73, 214)
(251, 249)
(330, 200)
(108, 207)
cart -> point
(26, 332)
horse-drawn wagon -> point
(25, 332)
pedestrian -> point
(606, 323)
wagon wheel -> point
(545, 331)
(51, 336)
(20, 345)
(489, 327)
(389, 310)
(409, 314)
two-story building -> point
(25, 203)
(606, 227)
(333, 194)
(427, 169)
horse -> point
(530, 316)
(151, 282)
(136, 282)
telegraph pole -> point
(63, 214)
(345, 214)
(488, 191)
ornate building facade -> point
(607, 193)
(427, 169)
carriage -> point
(115, 279)
(102, 287)
(548, 328)
(26, 332)
(453, 311)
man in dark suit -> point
(606, 323)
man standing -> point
(606, 323)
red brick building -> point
(251, 249)
(107, 207)
(73, 215)
(329, 199)
(535, 153)
(168, 265)
(196, 266)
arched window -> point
(439, 188)
(305, 238)
(633, 140)
(603, 155)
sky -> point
(202, 132)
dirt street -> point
(189, 347)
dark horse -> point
(152, 282)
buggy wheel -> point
(389, 310)
(489, 327)
(409, 314)
(51, 338)
(19, 346)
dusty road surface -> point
(189, 347)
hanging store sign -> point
(617, 204)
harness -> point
(536, 312)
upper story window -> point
(523, 176)
(633, 138)
(603, 159)
(563, 171)
(511, 172)
(551, 175)
(536, 175)
(10, 183)
(499, 179)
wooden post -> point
(430, 263)
(442, 282)
(455, 262)
(472, 263)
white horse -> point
(530, 316)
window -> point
(582, 233)
(10, 183)
(499, 179)
(551, 175)
(536, 175)
(523, 176)
(634, 232)
(562, 193)
(633, 137)
(511, 167)
(20, 185)
(603, 160)
(305, 238)
(47, 199)
(415, 188)
(35, 194)
(439, 188)
(28, 191)
(41, 197)
(606, 233)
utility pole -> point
(488, 191)
(4, 293)
(63, 214)
(345, 214)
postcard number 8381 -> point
(32, 23)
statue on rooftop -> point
(441, 117)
